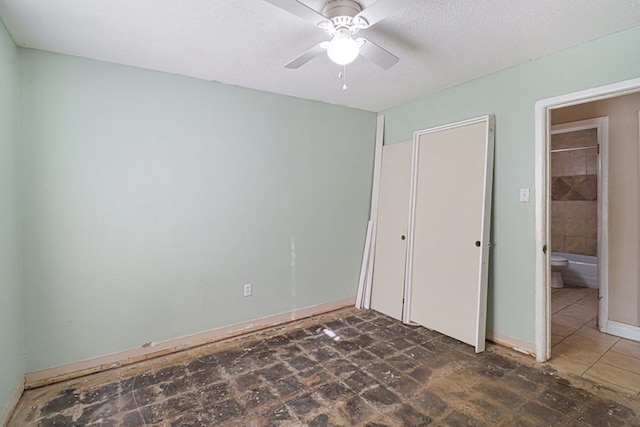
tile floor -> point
(578, 347)
(347, 368)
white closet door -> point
(393, 216)
(451, 218)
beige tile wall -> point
(574, 206)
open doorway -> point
(578, 236)
(572, 131)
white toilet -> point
(557, 265)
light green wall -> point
(149, 200)
(511, 95)
(12, 360)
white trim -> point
(127, 357)
(623, 330)
(363, 268)
(11, 405)
(485, 249)
(369, 276)
(577, 126)
(601, 124)
(454, 125)
(373, 217)
(541, 272)
(377, 167)
(542, 108)
(411, 227)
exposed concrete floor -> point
(373, 372)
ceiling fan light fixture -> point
(343, 49)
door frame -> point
(542, 186)
(601, 124)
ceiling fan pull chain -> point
(344, 76)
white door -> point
(449, 244)
(393, 215)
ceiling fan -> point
(341, 19)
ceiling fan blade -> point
(307, 56)
(300, 10)
(380, 10)
(376, 54)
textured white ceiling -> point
(440, 43)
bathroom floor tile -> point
(580, 310)
(621, 361)
(580, 349)
(560, 329)
(590, 307)
(614, 375)
(568, 321)
(628, 348)
(594, 334)
(555, 339)
(568, 364)
(593, 324)
(584, 350)
(557, 306)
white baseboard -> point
(127, 357)
(513, 343)
(622, 330)
(8, 410)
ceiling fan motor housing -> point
(337, 8)
(341, 14)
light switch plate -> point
(524, 195)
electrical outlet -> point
(247, 290)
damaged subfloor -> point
(346, 368)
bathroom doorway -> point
(578, 159)
(605, 346)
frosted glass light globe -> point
(343, 49)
